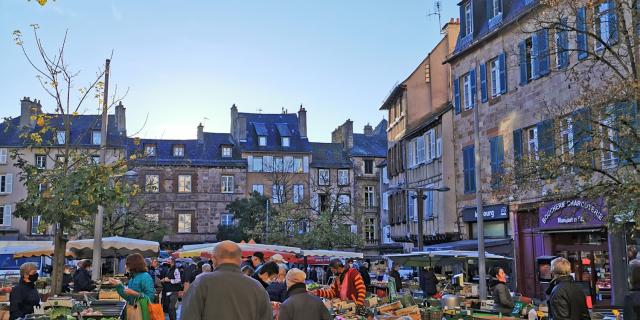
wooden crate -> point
(390, 307)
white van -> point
(10, 267)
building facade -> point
(420, 149)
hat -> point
(278, 258)
(295, 276)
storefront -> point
(496, 227)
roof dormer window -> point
(150, 149)
(286, 141)
(226, 152)
(468, 18)
(96, 137)
(178, 150)
(262, 141)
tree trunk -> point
(59, 250)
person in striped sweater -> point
(348, 284)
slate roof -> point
(329, 155)
(207, 154)
(274, 126)
(371, 146)
(81, 128)
(513, 10)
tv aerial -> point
(436, 11)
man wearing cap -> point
(300, 305)
(348, 284)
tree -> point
(70, 192)
(591, 140)
(247, 212)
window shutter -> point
(562, 45)
(483, 82)
(250, 163)
(522, 57)
(517, 144)
(581, 36)
(543, 52)
(546, 141)
(439, 148)
(3, 155)
(463, 23)
(535, 65)
(456, 94)
(6, 215)
(472, 75)
(612, 20)
(502, 62)
(489, 9)
(581, 129)
(433, 151)
(305, 164)
(9, 182)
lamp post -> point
(482, 272)
(421, 197)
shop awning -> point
(424, 258)
(332, 254)
(466, 244)
(111, 247)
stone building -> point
(84, 137)
(420, 149)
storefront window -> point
(492, 229)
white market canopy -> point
(111, 247)
(191, 251)
(333, 254)
(427, 257)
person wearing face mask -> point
(348, 284)
(67, 279)
(501, 295)
(171, 284)
(24, 296)
(82, 279)
(266, 274)
(140, 285)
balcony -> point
(371, 242)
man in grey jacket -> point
(226, 293)
(300, 305)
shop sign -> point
(572, 213)
(493, 212)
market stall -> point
(83, 249)
(206, 250)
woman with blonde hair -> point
(24, 296)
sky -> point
(186, 62)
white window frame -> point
(61, 137)
(608, 157)
(566, 136)
(96, 137)
(468, 18)
(6, 215)
(178, 150)
(298, 193)
(152, 183)
(227, 184)
(226, 219)
(257, 164)
(259, 188)
(150, 150)
(369, 227)
(6, 183)
(278, 164)
(185, 223)
(385, 178)
(369, 196)
(41, 161)
(466, 87)
(532, 142)
(226, 152)
(262, 141)
(184, 183)
(344, 200)
(286, 141)
(343, 177)
(287, 163)
(277, 193)
(297, 165)
(35, 223)
(430, 145)
(420, 152)
(412, 205)
(494, 66)
(4, 155)
(496, 4)
(324, 177)
(267, 164)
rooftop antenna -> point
(436, 11)
(204, 120)
(259, 110)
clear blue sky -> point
(184, 61)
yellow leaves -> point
(133, 157)
(35, 137)
(136, 141)
(75, 202)
(75, 113)
(40, 121)
(42, 2)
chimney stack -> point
(302, 122)
(29, 108)
(234, 119)
(368, 130)
(121, 119)
(200, 133)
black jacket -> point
(302, 306)
(632, 304)
(277, 291)
(82, 281)
(257, 277)
(396, 276)
(428, 283)
(501, 296)
(67, 278)
(566, 300)
(365, 275)
(23, 298)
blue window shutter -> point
(522, 57)
(497, 159)
(546, 141)
(612, 20)
(543, 52)
(535, 65)
(489, 9)
(472, 166)
(581, 36)
(562, 45)
(472, 75)
(581, 129)
(456, 94)
(469, 167)
(517, 144)
(502, 63)
(463, 23)
(483, 83)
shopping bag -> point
(139, 311)
(155, 311)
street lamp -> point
(422, 197)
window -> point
(343, 177)
(267, 163)
(285, 141)
(277, 193)
(605, 24)
(184, 222)
(385, 177)
(259, 188)
(6, 183)
(288, 164)
(178, 150)
(4, 152)
(279, 164)
(262, 141)
(152, 183)
(150, 150)
(431, 146)
(184, 183)
(257, 164)
(428, 204)
(495, 77)
(369, 196)
(324, 202)
(298, 193)
(297, 165)
(534, 56)
(323, 177)
(412, 205)
(526, 62)
(368, 166)
(420, 150)
(370, 229)
(532, 142)
(95, 159)
(609, 142)
(226, 152)
(61, 137)
(469, 165)
(468, 19)
(5, 215)
(495, 8)
(344, 201)
(152, 217)
(96, 137)
(468, 90)
(497, 160)
(35, 225)
(41, 161)
(566, 136)
(227, 184)
(226, 219)
(385, 201)
(581, 35)
(562, 45)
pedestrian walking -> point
(226, 293)
(632, 299)
(300, 305)
(171, 286)
(567, 301)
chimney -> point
(29, 108)
(234, 125)
(302, 122)
(368, 130)
(200, 133)
(121, 119)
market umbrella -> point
(39, 252)
(205, 250)
(332, 254)
(114, 247)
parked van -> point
(10, 267)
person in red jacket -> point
(348, 284)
